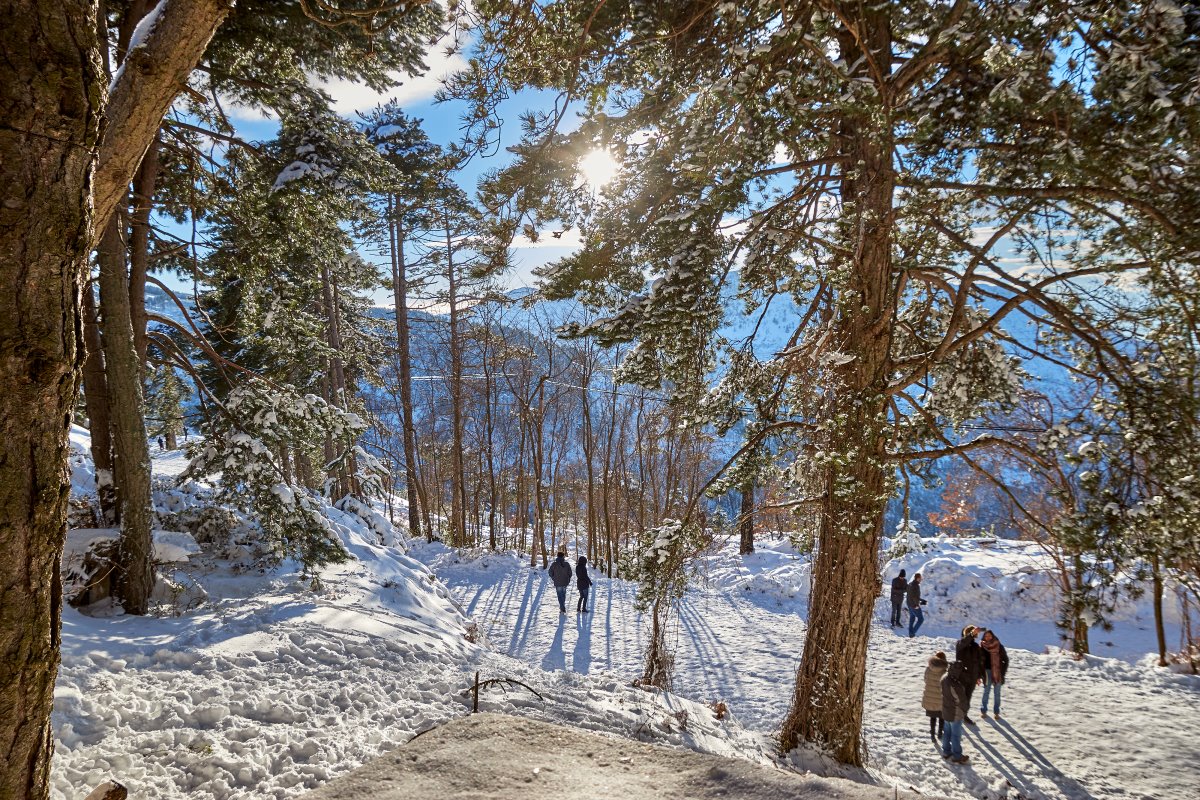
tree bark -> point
(50, 95)
(130, 448)
(827, 706)
(458, 492)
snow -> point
(138, 39)
(1097, 728)
(264, 684)
(169, 546)
(83, 473)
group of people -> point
(560, 573)
(950, 685)
(910, 591)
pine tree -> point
(416, 164)
(292, 337)
(840, 157)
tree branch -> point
(154, 72)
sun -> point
(598, 168)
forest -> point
(826, 271)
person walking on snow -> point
(995, 667)
(585, 585)
(915, 615)
(970, 654)
(931, 700)
(899, 588)
(560, 573)
(954, 711)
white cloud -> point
(350, 97)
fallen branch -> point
(474, 690)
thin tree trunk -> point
(95, 395)
(49, 102)
(458, 497)
(139, 250)
(490, 438)
(746, 520)
(400, 292)
(131, 453)
(1079, 641)
(539, 506)
(589, 449)
(1160, 631)
(335, 377)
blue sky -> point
(443, 123)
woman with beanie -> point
(995, 667)
(931, 700)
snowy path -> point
(1100, 729)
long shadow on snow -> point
(581, 658)
(1014, 776)
(1068, 786)
(713, 659)
(555, 658)
(527, 614)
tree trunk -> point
(489, 446)
(746, 520)
(95, 395)
(50, 93)
(400, 290)
(1079, 626)
(827, 706)
(335, 376)
(589, 453)
(659, 660)
(458, 495)
(1159, 630)
(131, 454)
(139, 250)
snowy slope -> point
(271, 687)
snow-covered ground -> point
(270, 686)
(1100, 728)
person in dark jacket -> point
(560, 573)
(915, 615)
(931, 699)
(899, 589)
(970, 654)
(584, 583)
(954, 711)
(995, 668)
